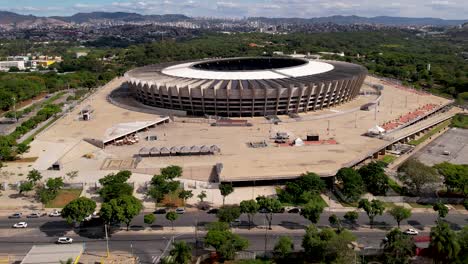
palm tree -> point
(68, 261)
(444, 245)
(181, 252)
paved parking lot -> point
(454, 141)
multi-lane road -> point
(148, 245)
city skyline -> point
(453, 9)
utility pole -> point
(107, 240)
(266, 231)
(14, 109)
(375, 112)
(328, 129)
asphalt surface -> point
(287, 220)
(148, 246)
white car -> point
(55, 213)
(20, 225)
(180, 210)
(411, 231)
(64, 240)
(95, 215)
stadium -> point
(237, 87)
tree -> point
(417, 175)
(463, 242)
(171, 172)
(314, 242)
(34, 176)
(68, 261)
(249, 207)
(301, 190)
(224, 241)
(226, 189)
(353, 185)
(270, 206)
(398, 248)
(149, 219)
(339, 248)
(455, 176)
(351, 216)
(202, 196)
(54, 184)
(172, 216)
(444, 244)
(72, 175)
(122, 209)
(115, 190)
(441, 209)
(372, 209)
(400, 213)
(26, 187)
(77, 210)
(115, 186)
(181, 253)
(228, 213)
(312, 210)
(373, 175)
(22, 148)
(326, 245)
(334, 220)
(283, 248)
(120, 177)
(184, 195)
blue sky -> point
(448, 9)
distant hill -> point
(382, 20)
(13, 18)
(10, 17)
(121, 16)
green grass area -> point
(395, 186)
(418, 205)
(64, 197)
(31, 137)
(389, 205)
(460, 121)
(431, 133)
(387, 159)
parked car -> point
(15, 215)
(64, 240)
(55, 213)
(95, 215)
(160, 211)
(34, 215)
(411, 231)
(263, 211)
(180, 210)
(20, 225)
(236, 222)
(213, 211)
(294, 210)
(89, 217)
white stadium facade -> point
(252, 86)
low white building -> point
(6, 65)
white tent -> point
(298, 142)
(376, 130)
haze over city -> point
(446, 9)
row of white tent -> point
(184, 150)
